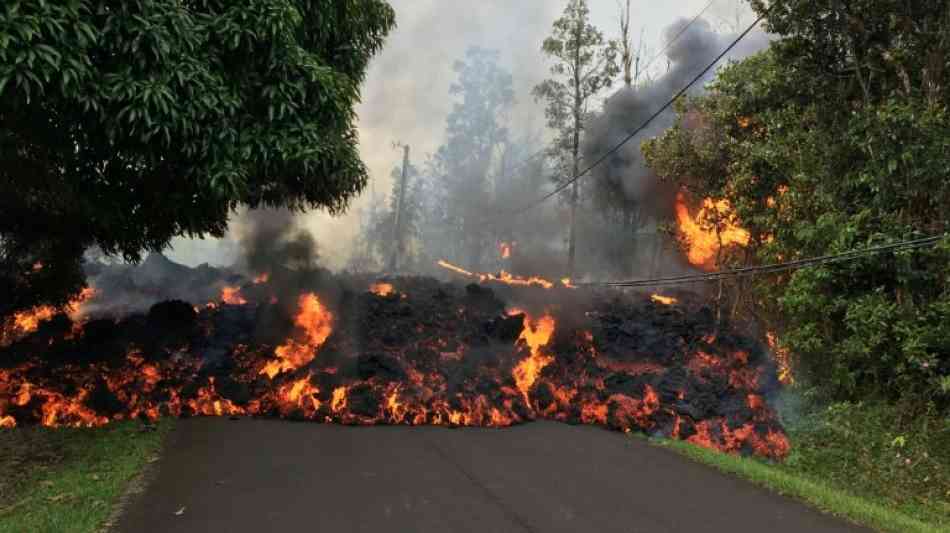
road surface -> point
(220, 475)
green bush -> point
(870, 450)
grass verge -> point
(68, 480)
(850, 460)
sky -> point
(406, 99)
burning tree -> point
(832, 140)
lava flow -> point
(315, 322)
(505, 277)
(26, 322)
(350, 352)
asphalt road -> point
(219, 475)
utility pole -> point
(397, 227)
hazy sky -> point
(406, 98)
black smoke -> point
(623, 187)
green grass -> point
(856, 461)
(68, 480)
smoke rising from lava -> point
(628, 108)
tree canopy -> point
(584, 63)
(123, 125)
(835, 139)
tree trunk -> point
(397, 227)
(575, 154)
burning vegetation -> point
(409, 351)
(703, 243)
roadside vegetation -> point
(833, 139)
(848, 459)
(69, 480)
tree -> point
(460, 170)
(835, 139)
(123, 125)
(584, 64)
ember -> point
(665, 300)
(381, 289)
(782, 359)
(437, 355)
(232, 296)
(505, 278)
(27, 322)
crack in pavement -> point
(491, 497)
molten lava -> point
(28, 321)
(316, 323)
(232, 296)
(381, 289)
(439, 354)
(665, 300)
(505, 277)
(535, 335)
(704, 244)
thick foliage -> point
(836, 139)
(126, 124)
(857, 448)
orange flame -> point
(317, 324)
(26, 322)
(232, 296)
(782, 359)
(381, 289)
(704, 244)
(29, 321)
(536, 334)
(504, 249)
(7, 422)
(458, 270)
(299, 394)
(665, 300)
(262, 278)
(338, 401)
(505, 277)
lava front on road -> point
(411, 351)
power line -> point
(774, 268)
(643, 126)
(678, 35)
(509, 172)
(670, 42)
